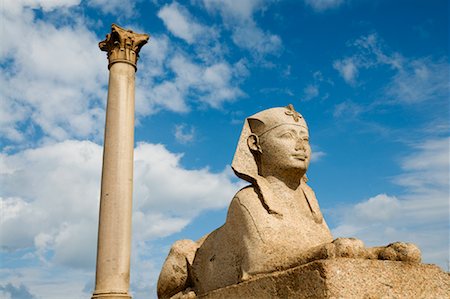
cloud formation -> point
(45, 5)
(52, 212)
(60, 206)
(237, 16)
(70, 104)
(191, 83)
(184, 134)
(370, 52)
(347, 68)
(182, 24)
(323, 5)
(420, 80)
(314, 90)
(414, 80)
(61, 96)
(52, 95)
(178, 81)
(409, 82)
(114, 7)
(9, 291)
(419, 215)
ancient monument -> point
(114, 231)
(275, 242)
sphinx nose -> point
(299, 145)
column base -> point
(111, 295)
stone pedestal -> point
(114, 232)
(344, 278)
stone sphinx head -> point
(271, 225)
(273, 142)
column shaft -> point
(114, 230)
(114, 235)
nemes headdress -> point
(244, 164)
(264, 121)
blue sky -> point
(370, 77)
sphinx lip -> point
(299, 157)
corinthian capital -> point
(123, 45)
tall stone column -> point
(114, 231)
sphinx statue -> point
(273, 224)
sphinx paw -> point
(399, 251)
(349, 248)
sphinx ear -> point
(253, 143)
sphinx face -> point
(285, 148)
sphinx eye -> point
(287, 135)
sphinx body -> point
(273, 224)
(253, 241)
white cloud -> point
(322, 5)
(347, 68)
(238, 16)
(64, 96)
(114, 7)
(348, 110)
(420, 80)
(195, 188)
(419, 215)
(414, 80)
(385, 206)
(153, 56)
(373, 52)
(427, 168)
(51, 194)
(184, 134)
(181, 23)
(45, 282)
(209, 85)
(230, 9)
(252, 38)
(177, 80)
(410, 81)
(48, 187)
(317, 155)
(202, 39)
(16, 7)
(11, 291)
(75, 105)
(313, 90)
(216, 83)
(370, 53)
(310, 91)
(57, 73)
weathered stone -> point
(123, 45)
(174, 276)
(114, 231)
(275, 223)
(344, 278)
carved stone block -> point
(344, 278)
